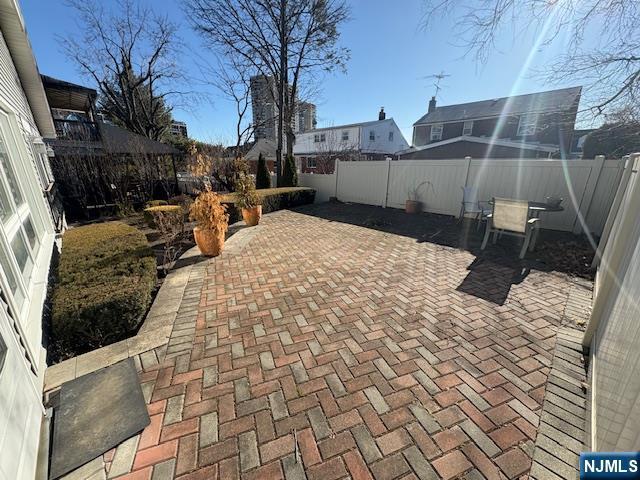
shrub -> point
(184, 201)
(170, 224)
(289, 173)
(106, 275)
(273, 199)
(149, 212)
(155, 203)
(246, 196)
(263, 177)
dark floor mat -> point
(96, 412)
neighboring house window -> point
(467, 128)
(311, 162)
(323, 137)
(316, 138)
(527, 125)
(372, 136)
(345, 135)
(436, 132)
(391, 136)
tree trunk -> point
(281, 89)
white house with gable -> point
(26, 244)
(317, 150)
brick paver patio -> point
(330, 350)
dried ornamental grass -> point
(209, 213)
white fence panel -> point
(363, 182)
(613, 332)
(585, 185)
(324, 185)
(534, 180)
(442, 193)
(604, 194)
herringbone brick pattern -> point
(323, 350)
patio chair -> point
(511, 217)
(471, 204)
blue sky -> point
(390, 58)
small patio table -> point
(537, 207)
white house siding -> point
(22, 372)
(381, 144)
(305, 142)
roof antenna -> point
(438, 77)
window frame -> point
(372, 135)
(436, 127)
(467, 126)
(527, 125)
(345, 135)
(391, 136)
(19, 153)
(311, 160)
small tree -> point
(290, 175)
(263, 177)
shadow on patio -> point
(555, 251)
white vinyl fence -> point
(587, 186)
(613, 332)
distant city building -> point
(263, 105)
(305, 117)
(178, 129)
(265, 111)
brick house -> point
(536, 125)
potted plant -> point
(413, 204)
(208, 212)
(248, 200)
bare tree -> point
(336, 146)
(129, 52)
(233, 80)
(610, 65)
(283, 39)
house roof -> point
(550, 101)
(15, 35)
(484, 140)
(119, 140)
(67, 95)
(264, 146)
(350, 125)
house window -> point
(43, 166)
(467, 128)
(436, 132)
(527, 125)
(345, 135)
(316, 138)
(323, 137)
(391, 136)
(372, 136)
(20, 228)
(311, 162)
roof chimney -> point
(432, 105)
(382, 115)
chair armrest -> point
(533, 222)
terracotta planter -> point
(210, 242)
(412, 206)
(251, 216)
